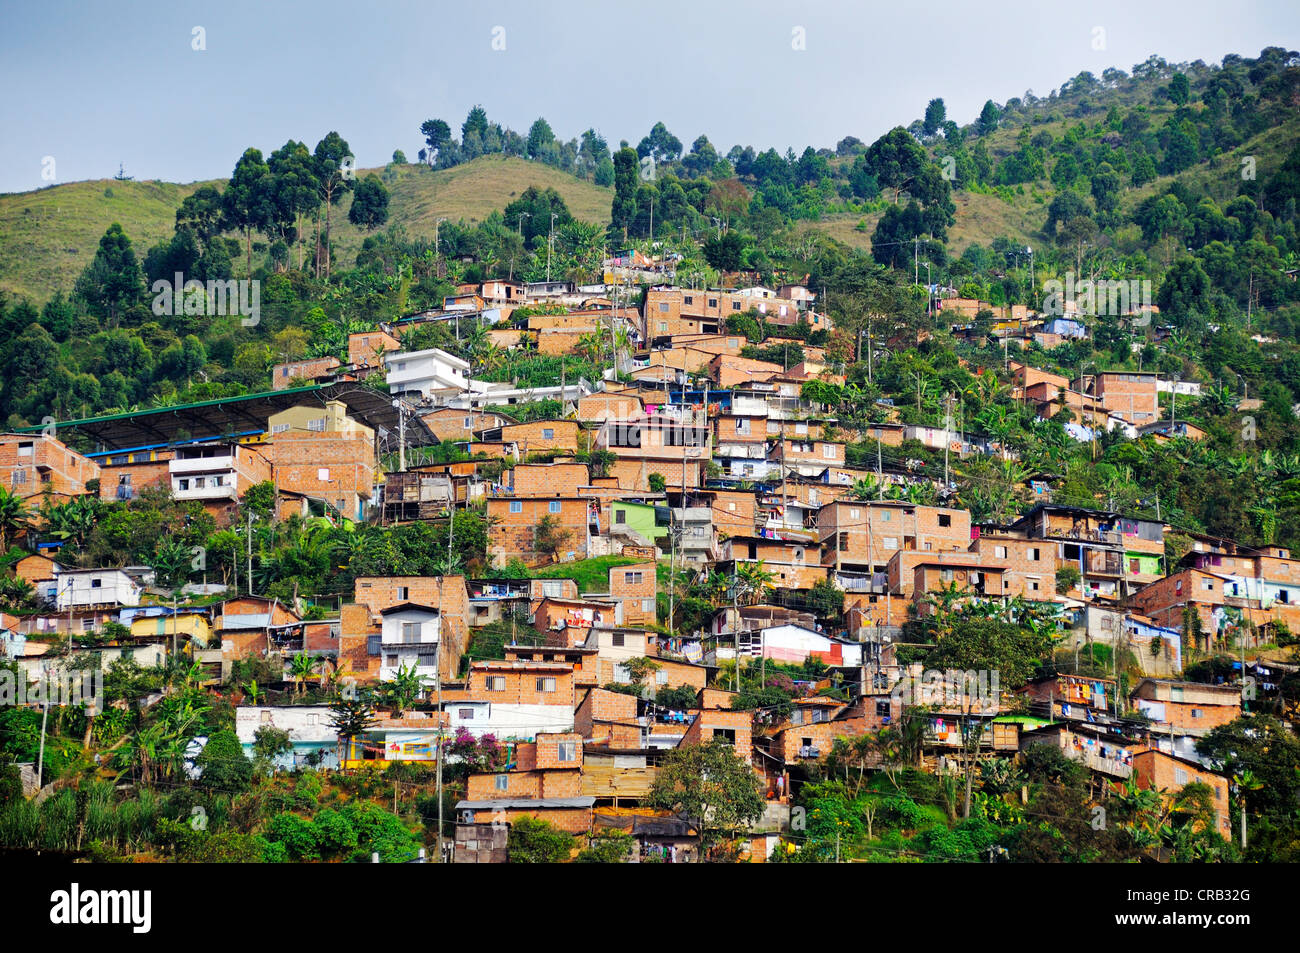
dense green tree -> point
(369, 204)
(112, 283)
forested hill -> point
(1186, 175)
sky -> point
(177, 90)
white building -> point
(409, 639)
(424, 372)
(85, 588)
(310, 730)
(506, 721)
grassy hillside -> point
(48, 236)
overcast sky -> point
(93, 84)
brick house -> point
(866, 535)
(548, 767)
(445, 594)
(1029, 568)
(324, 455)
(295, 373)
(33, 465)
(549, 479)
(455, 424)
(1190, 708)
(518, 682)
(597, 408)
(513, 528)
(1132, 395)
(734, 727)
(366, 349)
(537, 435)
(635, 587)
(1165, 772)
(608, 718)
(573, 618)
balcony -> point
(206, 487)
(215, 464)
(1100, 563)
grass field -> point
(48, 236)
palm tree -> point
(754, 582)
(302, 668)
(15, 516)
(403, 689)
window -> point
(323, 474)
(390, 661)
(554, 506)
(742, 426)
(20, 476)
(546, 684)
(469, 422)
(688, 299)
(619, 640)
(886, 516)
(26, 449)
(828, 451)
(663, 327)
(317, 425)
(663, 306)
(1198, 713)
(1000, 552)
(890, 542)
(1207, 585)
(945, 519)
(96, 583)
(502, 782)
(496, 683)
(465, 714)
(634, 578)
(410, 632)
(735, 306)
(1033, 585)
(548, 433)
(647, 605)
(727, 735)
(854, 514)
(403, 593)
(713, 302)
(516, 506)
(426, 659)
(566, 751)
(1180, 776)
(945, 575)
(1032, 555)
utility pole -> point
(549, 242)
(250, 551)
(401, 436)
(437, 681)
(45, 717)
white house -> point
(505, 721)
(84, 588)
(310, 731)
(424, 372)
(791, 643)
(409, 639)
